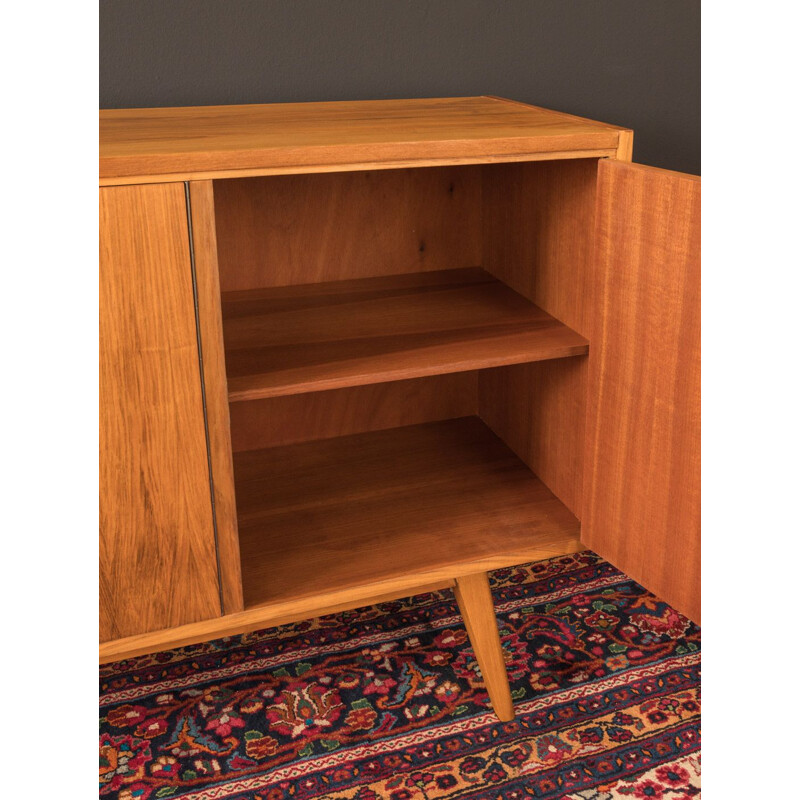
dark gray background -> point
(629, 62)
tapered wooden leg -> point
(477, 607)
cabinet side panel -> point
(537, 237)
(643, 442)
(539, 411)
(157, 553)
(292, 229)
(209, 313)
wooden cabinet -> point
(354, 351)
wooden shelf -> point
(296, 339)
(388, 510)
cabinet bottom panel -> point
(419, 503)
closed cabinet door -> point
(158, 564)
(642, 479)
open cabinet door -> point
(642, 480)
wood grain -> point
(625, 146)
(280, 613)
(157, 554)
(324, 336)
(318, 169)
(420, 503)
(537, 238)
(643, 443)
(149, 142)
(209, 315)
(538, 411)
(313, 228)
(323, 415)
(474, 598)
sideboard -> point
(355, 351)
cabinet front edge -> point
(360, 166)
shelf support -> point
(475, 602)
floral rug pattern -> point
(386, 702)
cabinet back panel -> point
(292, 229)
(537, 237)
(292, 419)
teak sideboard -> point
(356, 351)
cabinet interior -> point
(407, 371)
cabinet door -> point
(157, 553)
(642, 484)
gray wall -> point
(630, 62)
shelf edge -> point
(237, 394)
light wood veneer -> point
(643, 443)
(295, 229)
(153, 461)
(538, 222)
(215, 395)
(308, 338)
(148, 144)
(295, 418)
(424, 502)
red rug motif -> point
(386, 702)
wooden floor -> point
(424, 502)
(307, 338)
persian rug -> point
(386, 702)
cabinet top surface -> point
(159, 144)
